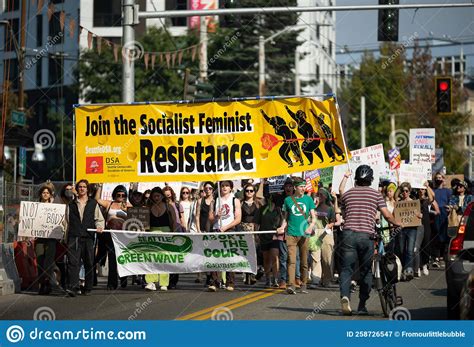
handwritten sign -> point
(422, 139)
(43, 220)
(406, 212)
(138, 218)
(415, 174)
(276, 183)
(372, 156)
(421, 155)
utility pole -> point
(297, 72)
(128, 65)
(362, 121)
(21, 60)
(261, 66)
(203, 50)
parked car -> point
(466, 305)
(460, 265)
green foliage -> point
(236, 66)
(102, 82)
(393, 85)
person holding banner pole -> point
(226, 215)
(84, 214)
(162, 219)
(45, 250)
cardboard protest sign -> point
(206, 141)
(38, 219)
(372, 156)
(415, 174)
(406, 212)
(138, 219)
(420, 141)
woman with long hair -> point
(45, 250)
(115, 216)
(250, 206)
(162, 219)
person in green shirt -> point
(297, 209)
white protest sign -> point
(108, 188)
(415, 174)
(153, 253)
(372, 156)
(38, 219)
(421, 140)
(144, 186)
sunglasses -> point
(83, 187)
(185, 193)
(249, 190)
(207, 188)
(120, 195)
(405, 191)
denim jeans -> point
(283, 257)
(407, 247)
(356, 246)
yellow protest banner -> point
(206, 141)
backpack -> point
(392, 267)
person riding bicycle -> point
(359, 206)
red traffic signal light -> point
(444, 95)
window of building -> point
(39, 73)
(55, 29)
(55, 70)
(172, 5)
(12, 5)
(39, 30)
(317, 73)
(107, 13)
(12, 66)
(467, 140)
(15, 27)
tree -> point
(394, 84)
(101, 77)
(233, 52)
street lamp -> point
(261, 59)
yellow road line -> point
(239, 304)
(228, 303)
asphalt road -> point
(424, 299)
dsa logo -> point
(94, 165)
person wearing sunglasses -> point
(407, 236)
(460, 199)
(249, 205)
(115, 216)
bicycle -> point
(384, 282)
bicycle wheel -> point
(383, 303)
(391, 297)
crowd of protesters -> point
(305, 252)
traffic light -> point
(189, 89)
(388, 22)
(444, 95)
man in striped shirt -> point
(359, 205)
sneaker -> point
(268, 283)
(346, 306)
(303, 289)
(435, 264)
(260, 273)
(212, 288)
(150, 287)
(409, 275)
(353, 286)
(230, 288)
(417, 273)
(282, 285)
(291, 290)
(163, 288)
(362, 311)
(297, 283)
(426, 272)
(314, 286)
